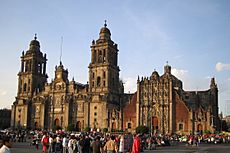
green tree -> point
(105, 130)
(71, 127)
(142, 129)
(87, 129)
(224, 126)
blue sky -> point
(192, 35)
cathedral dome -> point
(155, 74)
(34, 44)
(105, 32)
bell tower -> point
(31, 80)
(103, 69)
(32, 75)
(104, 85)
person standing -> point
(122, 145)
(45, 142)
(111, 146)
(65, 142)
(96, 145)
(136, 144)
(6, 145)
(50, 150)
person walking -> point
(6, 145)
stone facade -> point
(62, 102)
(166, 108)
(159, 103)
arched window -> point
(24, 87)
(100, 58)
(98, 81)
(94, 56)
(181, 126)
(129, 125)
(20, 85)
(26, 66)
(93, 84)
(104, 56)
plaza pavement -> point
(180, 148)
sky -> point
(192, 35)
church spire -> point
(105, 25)
(213, 83)
(35, 36)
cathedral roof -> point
(34, 44)
(105, 29)
(105, 32)
(155, 74)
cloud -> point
(181, 74)
(2, 92)
(130, 85)
(222, 67)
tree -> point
(71, 127)
(87, 129)
(224, 126)
(142, 129)
(105, 130)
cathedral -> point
(160, 102)
(165, 107)
(62, 102)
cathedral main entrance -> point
(200, 129)
(154, 124)
(56, 122)
(78, 126)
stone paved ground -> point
(24, 148)
(181, 148)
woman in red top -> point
(136, 144)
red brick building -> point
(164, 106)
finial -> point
(154, 70)
(61, 48)
(35, 36)
(105, 25)
(167, 62)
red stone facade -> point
(129, 111)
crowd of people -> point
(90, 143)
(96, 142)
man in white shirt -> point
(64, 144)
(7, 143)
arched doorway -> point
(78, 126)
(154, 124)
(200, 129)
(113, 126)
(56, 122)
(36, 125)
